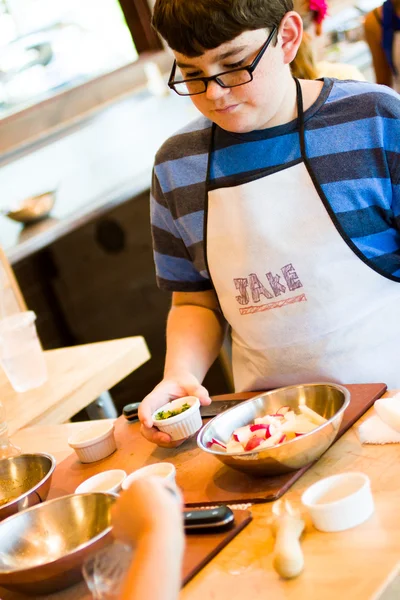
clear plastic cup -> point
(21, 354)
(7, 448)
(105, 571)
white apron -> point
(302, 305)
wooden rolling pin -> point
(287, 527)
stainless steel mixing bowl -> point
(24, 481)
(328, 399)
(43, 548)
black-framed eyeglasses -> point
(227, 79)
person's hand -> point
(148, 508)
(168, 389)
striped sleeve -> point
(392, 149)
(175, 270)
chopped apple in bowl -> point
(270, 430)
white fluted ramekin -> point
(94, 442)
(165, 470)
(183, 425)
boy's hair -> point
(193, 26)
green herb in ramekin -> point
(167, 414)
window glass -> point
(47, 46)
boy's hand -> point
(169, 389)
(148, 508)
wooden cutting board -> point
(203, 479)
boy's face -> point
(254, 105)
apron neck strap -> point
(300, 125)
(300, 118)
(210, 151)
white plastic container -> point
(107, 482)
(339, 502)
(183, 425)
(94, 442)
(21, 354)
(164, 470)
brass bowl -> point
(33, 209)
(327, 399)
(24, 481)
(42, 549)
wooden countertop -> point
(77, 376)
(357, 564)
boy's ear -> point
(290, 33)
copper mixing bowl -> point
(33, 209)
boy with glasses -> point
(277, 212)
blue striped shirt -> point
(352, 135)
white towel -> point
(375, 431)
(384, 427)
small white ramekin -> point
(183, 425)
(109, 482)
(165, 470)
(339, 502)
(94, 442)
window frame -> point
(138, 18)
